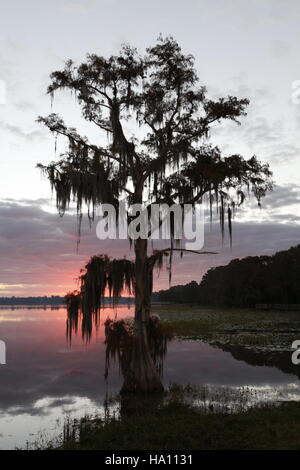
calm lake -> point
(45, 379)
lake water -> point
(45, 379)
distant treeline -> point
(53, 300)
(244, 283)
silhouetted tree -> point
(244, 282)
(168, 161)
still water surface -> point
(45, 379)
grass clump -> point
(178, 426)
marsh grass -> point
(186, 417)
(265, 330)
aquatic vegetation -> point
(254, 329)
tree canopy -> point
(171, 159)
(156, 117)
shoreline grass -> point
(177, 426)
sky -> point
(248, 49)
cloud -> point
(38, 249)
(283, 196)
(80, 6)
(280, 49)
(18, 132)
(282, 10)
(273, 141)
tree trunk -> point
(141, 374)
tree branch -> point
(158, 252)
(83, 142)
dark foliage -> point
(159, 96)
(42, 300)
(244, 283)
(172, 161)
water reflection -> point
(279, 359)
(45, 378)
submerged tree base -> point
(141, 367)
(133, 386)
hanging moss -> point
(120, 336)
(102, 277)
(73, 302)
